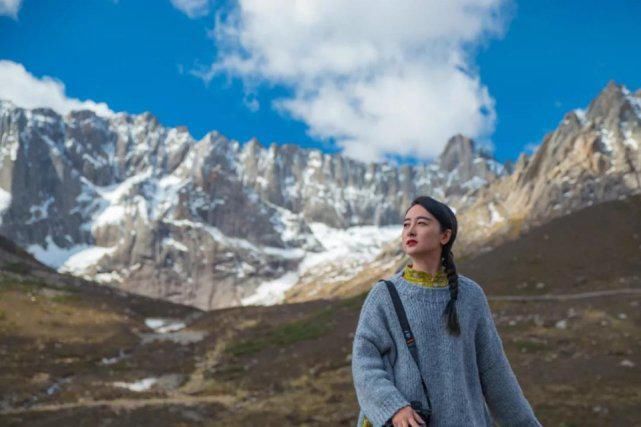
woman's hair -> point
(447, 220)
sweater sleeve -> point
(377, 395)
(500, 387)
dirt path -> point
(124, 403)
(228, 400)
(564, 297)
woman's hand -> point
(406, 417)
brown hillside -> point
(578, 360)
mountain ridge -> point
(102, 195)
(128, 202)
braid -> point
(452, 278)
(447, 221)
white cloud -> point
(381, 77)
(10, 8)
(251, 102)
(192, 8)
(28, 91)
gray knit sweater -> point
(464, 375)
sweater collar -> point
(434, 295)
(422, 278)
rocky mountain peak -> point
(82, 115)
(213, 136)
(254, 144)
(459, 150)
(591, 157)
(147, 207)
(467, 165)
(46, 112)
(149, 203)
(608, 100)
(148, 117)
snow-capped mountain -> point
(213, 223)
(126, 201)
(592, 157)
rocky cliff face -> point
(214, 223)
(593, 156)
(128, 202)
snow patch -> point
(113, 277)
(346, 251)
(234, 242)
(5, 202)
(607, 138)
(138, 386)
(179, 337)
(75, 259)
(53, 255)
(165, 196)
(580, 114)
(163, 326)
(113, 360)
(635, 102)
(496, 167)
(9, 147)
(495, 216)
(168, 241)
(113, 214)
(474, 183)
(115, 192)
(40, 212)
(80, 261)
(629, 141)
(358, 242)
(108, 203)
(286, 223)
(273, 291)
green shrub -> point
(65, 298)
(17, 267)
(311, 327)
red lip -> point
(411, 242)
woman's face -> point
(422, 234)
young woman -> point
(460, 353)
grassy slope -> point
(290, 364)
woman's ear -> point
(446, 236)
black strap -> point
(407, 333)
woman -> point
(460, 353)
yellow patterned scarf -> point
(422, 278)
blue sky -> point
(539, 61)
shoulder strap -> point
(407, 332)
